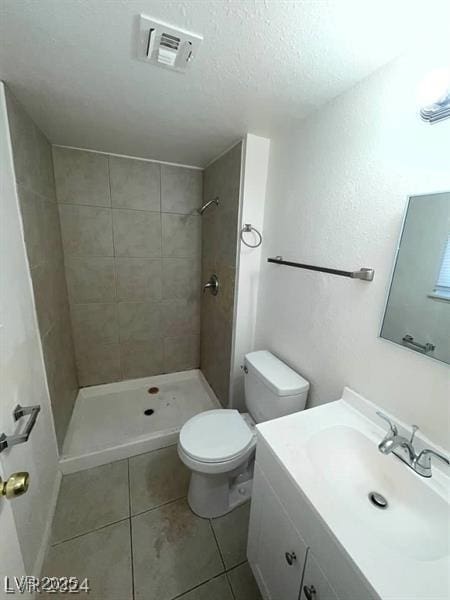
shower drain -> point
(378, 500)
(148, 411)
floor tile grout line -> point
(229, 585)
(75, 537)
(131, 531)
(142, 512)
(217, 544)
(206, 581)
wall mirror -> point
(417, 313)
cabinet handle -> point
(290, 557)
(309, 591)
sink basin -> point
(331, 455)
(351, 467)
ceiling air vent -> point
(165, 45)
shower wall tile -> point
(31, 207)
(138, 279)
(181, 235)
(180, 317)
(98, 363)
(135, 184)
(134, 291)
(90, 279)
(95, 324)
(86, 230)
(181, 353)
(33, 168)
(139, 321)
(219, 246)
(141, 359)
(181, 279)
(181, 189)
(81, 177)
(137, 233)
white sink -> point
(352, 467)
(331, 453)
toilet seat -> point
(216, 436)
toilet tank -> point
(272, 389)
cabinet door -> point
(315, 585)
(276, 550)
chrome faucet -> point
(403, 448)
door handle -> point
(6, 441)
(290, 557)
(310, 592)
(16, 485)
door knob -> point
(16, 485)
(290, 557)
(309, 591)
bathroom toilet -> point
(219, 445)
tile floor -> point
(127, 527)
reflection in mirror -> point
(417, 313)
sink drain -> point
(148, 411)
(378, 500)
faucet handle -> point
(392, 426)
(422, 464)
(414, 428)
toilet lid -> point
(216, 435)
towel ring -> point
(247, 229)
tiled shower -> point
(118, 253)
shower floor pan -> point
(122, 419)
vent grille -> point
(165, 45)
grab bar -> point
(6, 441)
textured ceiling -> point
(262, 66)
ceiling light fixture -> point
(435, 96)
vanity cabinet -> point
(292, 553)
(315, 586)
(277, 550)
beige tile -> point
(103, 557)
(139, 321)
(156, 478)
(86, 230)
(181, 278)
(232, 532)
(94, 324)
(137, 233)
(181, 236)
(243, 583)
(90, 279)
(138, 279)
(141, 359)
(181, 189)
(31, 208)
(173, 551)
(134, 184)
(180, 318)
(81, 177)
(181, 353)
(44, 297)
(91, 499)
(98, 364)
(52, 231)
(216, 589)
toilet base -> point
(211, 496)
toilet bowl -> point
(219, 445)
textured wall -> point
(131, 237)
(35, 182)
(337, 192)
(222, 179)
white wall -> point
(22, 374)
(337, 190)
(255, 159)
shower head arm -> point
(208, 204)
